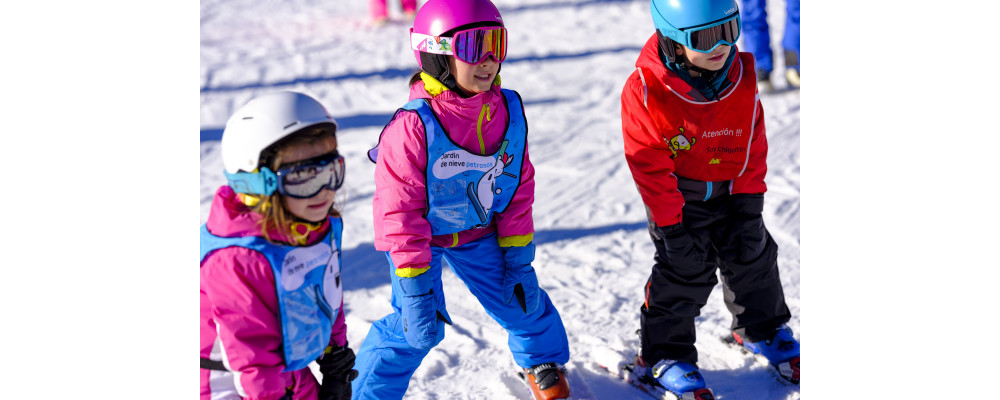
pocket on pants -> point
(752, 238)
(521, 285)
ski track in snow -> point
(568, 60)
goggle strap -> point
(263, 182)
(431, 44)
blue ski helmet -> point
(700, 25)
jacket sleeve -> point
(400, 200)
(648, 157)
(244, 305)
(751, 181)
(338, 337)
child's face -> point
(316, 208)
(712, 61)
(474, 78)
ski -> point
(633, 373)
(788, 376)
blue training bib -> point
(307, 281)
(464, 190)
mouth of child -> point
(319, 206)
(717, 58)
(483, 77)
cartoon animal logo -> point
(481, 193)
(679, 142)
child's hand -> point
(748, 225)
(338, 371)
(423, 321)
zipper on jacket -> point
(479, 127)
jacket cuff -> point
(516, 240)
(748, 204)
(411, 272)
(518, 256)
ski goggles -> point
(471, 45)
(706, 38)
(300, 180)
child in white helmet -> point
(271, 294)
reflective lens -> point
(474, 45)
(705, 39)
(306, 178)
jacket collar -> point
(680, 81)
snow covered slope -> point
(569, 60)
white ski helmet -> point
(264, 121)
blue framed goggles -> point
(705, 38)
(300, 180)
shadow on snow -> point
(366, 268)
(396, 73)
(369, 120)
(359, 121)
(561, 4)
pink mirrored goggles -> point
(471, 45)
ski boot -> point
(792, 76)
(792, 68)
(547, 381)
(681, 379)
(781, 351)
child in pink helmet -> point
(454, 182)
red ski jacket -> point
(671, 130)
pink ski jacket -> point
(478, 125)
(239, 309)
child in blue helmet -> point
(695, 143)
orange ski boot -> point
(547, 382)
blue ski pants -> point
(756, 36)
(386, 360)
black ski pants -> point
(728, 235)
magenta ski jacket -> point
(239, 309)
(477, 124)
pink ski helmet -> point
(443, 17)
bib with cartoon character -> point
(464, 190)
(710, 140)
(307, 281)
